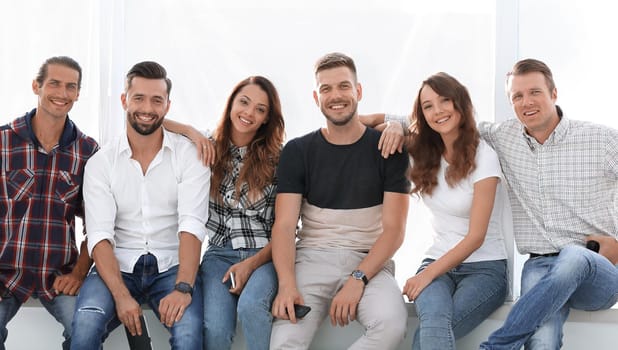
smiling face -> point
(58, 92)
(440, 113)
(337, 94)
(146, 103)
(249, 112)
(534, 104)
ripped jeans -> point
(95, 312)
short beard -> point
(144, 130)
(343, 121)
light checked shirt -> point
(563, 189)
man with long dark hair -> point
(42, 160)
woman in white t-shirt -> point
(463, 278)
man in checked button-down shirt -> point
(563, 183)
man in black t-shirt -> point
(353, 205)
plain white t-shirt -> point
(450, 209)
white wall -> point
(577, 40)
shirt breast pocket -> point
(19, 184)
(67, 187)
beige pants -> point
(319, 275)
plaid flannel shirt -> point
(40, 194)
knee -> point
(89, 318)
(573, 252)
(435, 319)
(186, 336)
(250, 307)
(390, 328)
(431, 309)
(84, 313)
(573, 260)
(219, 329)
(89, 323)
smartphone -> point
(139, 342)
(301, 310)
(232, 280)
(593, 245)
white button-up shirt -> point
(144, 213)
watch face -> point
(360, 275)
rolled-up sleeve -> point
(99, 203)
(193, 193)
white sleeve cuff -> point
(94, 239)
(194, 227)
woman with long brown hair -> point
(462, 280)
(238, 277)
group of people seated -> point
(303, 231)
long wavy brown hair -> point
(427, 147)
(263, 151)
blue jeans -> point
(577, 278)
(221, 308)
(61, 307)
(455, 303)
(95, 313)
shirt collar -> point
(69, 132)
(238, 153)
(124, 146)
(556, 136)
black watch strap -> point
(184, 287)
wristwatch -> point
(184, 287)
(360, 275)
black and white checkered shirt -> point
(246, 224)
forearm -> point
(84, 262)
(287, 211)
(109, 270)
(455, 256)
(177, 127)
(284, 256)
(263, 256)
(189, 258)
(394, 215)
(372, 120)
